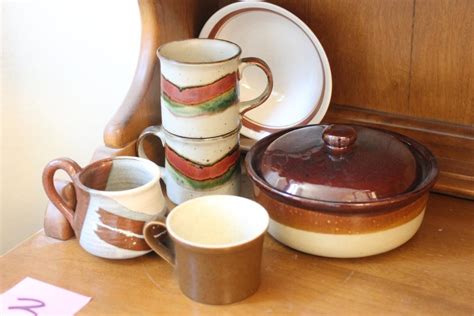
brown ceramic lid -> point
(339, 163)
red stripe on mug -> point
(120, 222)
(199, 94)
(121, 240)
(202, 172)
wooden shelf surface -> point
(433, 274)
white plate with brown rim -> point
(301, 73)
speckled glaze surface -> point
(217, 247)
(197, 167)
(341, 235)
(115, 197)
(342, 191)
(200, 87)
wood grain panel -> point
(181, 19)
(442, 84)
(368, 44)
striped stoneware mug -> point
(115, 197)
(200, 87)
(197, 167)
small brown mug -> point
(217, 246)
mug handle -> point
(71, 168)
(156, 131)
(149, 231)
(246, 106)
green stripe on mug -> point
(215, 105)
(198, 94)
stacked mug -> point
(201, 111)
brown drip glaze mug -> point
(115, 197)
(217, 246)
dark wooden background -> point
(403, 65)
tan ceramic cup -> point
(217, 246)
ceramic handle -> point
(156, 131)
(339, 138)
(246, 106)
(71, 168)
(150, 231)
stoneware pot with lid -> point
(341, 191)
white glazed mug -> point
(200, 87)
(115, 197)
(197, 167)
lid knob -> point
(339, 138)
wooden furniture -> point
(403, 65)
(161, 21)
(433, 273)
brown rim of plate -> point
(247, 122)
(236, 55)
(418, 150)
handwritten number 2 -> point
(28, 308)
